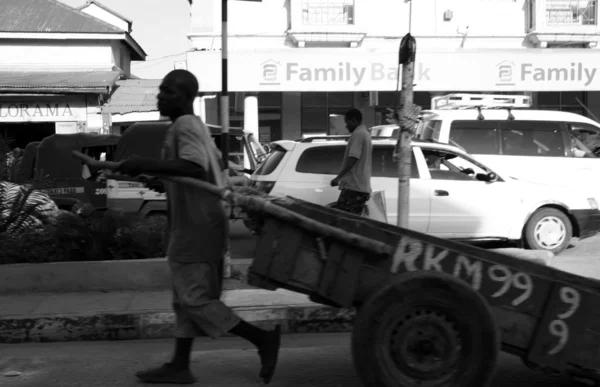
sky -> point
(159, 26)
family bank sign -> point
(351, 70)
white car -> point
(390, 130)
(451, 194)
(541, 146)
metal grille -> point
(327, 12)
(571, 12)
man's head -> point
(353, 119)
(177, 93)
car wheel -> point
(548, 229)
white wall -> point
(51, 55)
(492, 23)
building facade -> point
(58, 66)
(308, 61)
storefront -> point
(26, 119)
(316, 85)
(36, 104)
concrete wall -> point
(491, 23)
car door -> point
(385, 178)
(463, 207)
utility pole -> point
(224, 88)
(406, 119)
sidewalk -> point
(40, 317)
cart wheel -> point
(425, 329)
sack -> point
(376, 207)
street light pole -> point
(224, 88)
(225, 116)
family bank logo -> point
(505, 73)
(270, 72)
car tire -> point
(544, 221)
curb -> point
(309, 318)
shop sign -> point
(360, 71)
(44, 111)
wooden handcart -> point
(430, 312)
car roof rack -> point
(480, 101)
(340, 137)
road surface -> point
(316, 360)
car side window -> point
(477, 137)
(384, 164)
(588, 134)
(322, 160)
(327, 160)
(444, 165)
(533, 138)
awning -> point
(133, 96)
(48, 82)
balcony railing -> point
(571, 12)
(327, 12)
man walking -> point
(198, 232)
(354, 179)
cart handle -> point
(262, 205)
(112, 165)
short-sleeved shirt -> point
(359, 147)
(198, 224)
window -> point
(384, 164)
(323, 113)
(532, 138)
(571, 101)
(327, 12)
(322, 160)
(327, 160)
(430, 129)
(477, 137)
(449, 166)
(571, 12)
(271, 163)
(588, 134)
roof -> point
(104, 7)
(52, 81)
(133, 96)
(54, 17)
(49, 16)
(342, 141)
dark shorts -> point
(352, 201)
(196, 300)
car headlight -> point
(593, 203)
